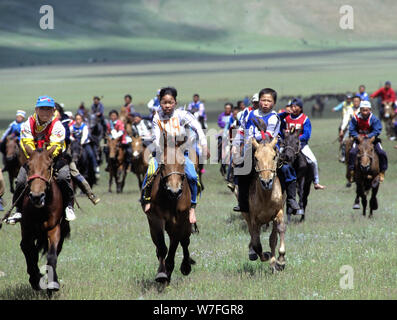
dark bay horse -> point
(266, 201)
(292, 155)
(170, 204)
(366, 174)
(139, 163)
(83, 164)
(388, 118)
(15, 158)
(43, 225)
(117, 165)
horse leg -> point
(280, 226)
(373, 203)
(54, 237)
(170, 260)
(32, 257)
(273, 243)
(110, 179)
(187, 262)
(255, 243)
(306, 192)
(157, 234)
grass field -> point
(111, 256)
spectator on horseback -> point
(81, 110)
(367, 125)
(14, 129)
(362, 94)
(79, 131)
(142, 128)
(387, 95)
(249, 129)
(301, 122)
(116, 130)
(344, 105)
(197, 108)
(128, 104)
(97, 112)
(224, 117)
(41, 130)
(180, 120)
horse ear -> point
(274, 142)
(51, 151)
(360, 139)
(372, 139)
(292, 130)
(255, 143)
(29, 151)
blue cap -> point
(136, 114)
(45, 101)
(387, 83)
(298, 102)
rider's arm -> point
(338, 107)
(84, 135)
(307, 131)
(346, 118)
(273, 126)
(376, 127)
(192, 122)
(27, 138)
(377, 93)
(57, 138)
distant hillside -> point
(125, 30)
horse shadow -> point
(23, 292)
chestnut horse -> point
(388, 118)
(170, 204)
(266, 202)
(366, 173)
(117, 165)
(43, 225)
(14, 159)
(139, 163)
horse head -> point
(39, 174)
(11, 148)
(388, 111)
(113, 146)
(77, 150)
(137, 147)
(366, 153)
(291, 145)
(172, 171)
(265, 159)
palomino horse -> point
(266, 204)
(117, 165)
(366, 173)
(388, 118)
(139, 163)
(292, 155)
(170, 204)
(43, 225)
(14, 159)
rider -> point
(387, 94)
(154, 104)
(41, 128)
(13, 129)
(301, 122)
(128, 104)
(196, 106)
(248, 130)
(344, 132)
(142, 128)
(172, 122)
(345, 105)
(79, 131)
(116, 130)
(367, 125)
(362, 94)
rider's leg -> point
(352, 160)
(63, 179)
(192, 178)
(382, 160)
(128, 151)
(288, 177)
(147, 183)
(20, 186)
(82, 183)
(3, 151)
(313, 162)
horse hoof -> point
(356, 206)
(186, 268)
(253, 256)
(267, 255)
(280, 266)
(53, 286)
(348, 185)
(161, 277)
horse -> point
(366, 174)
(388, 118)
(170, 204)
(139, 163)
(43, 225)
(97, 133)
(80, 158)
(292, 155)
(127, 119)
(117, 165)
(14, 159)
(266, 200)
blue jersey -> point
(13, 129)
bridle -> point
(272, 170)
(37, 176)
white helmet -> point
(365, 104)
(255, 98)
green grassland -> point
(111, 256)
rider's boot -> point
(85, 187)
(68, 199)
(17, 216)
(291, 197)
(145, 197)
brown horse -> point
(43, 226)
(139, 163)
(127, 119)
(170, 204)
(266, 202)
(14, 159)
(366, 173)
(117, 165)
(388, 118)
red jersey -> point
(296, 122)
(387, 95)
(118, 126)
